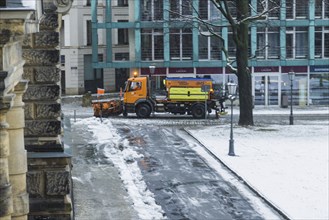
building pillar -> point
(49, 177)
(17, 159)
(6, 201)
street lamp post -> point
(232, 96)
(151, 72)
(291, 77)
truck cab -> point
(136, 98)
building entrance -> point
(266, 89)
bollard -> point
(75, 115)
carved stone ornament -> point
(63, 6)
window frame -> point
(294, 33)
(122, 3)
(123, 34)
(151, 10)
(294, 11)
(89, 35)
(180, 35)
(152, 34)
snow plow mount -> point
(107, 107)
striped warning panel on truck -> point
(178, 93)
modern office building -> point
(127, 36)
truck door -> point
(135, 90)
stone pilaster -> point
(17, 158)
(41, 53)
(6, 200)
(49, 167)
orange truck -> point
(191, 96)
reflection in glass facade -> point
(319, 89)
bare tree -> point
(239, 14)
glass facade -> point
(292, 36)
(319, 89)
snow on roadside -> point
(286, 164)
(124, 158)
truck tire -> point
(198, 111)
(143, 110)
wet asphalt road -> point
(98, 192)
(182, 182)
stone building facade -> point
(35, 178)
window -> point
(216, 48)
(181, 44)
(152, 44)
(88, 3)
(321, 42)
(273, 6)
(186, 7)
(210, 47)
(273, 38)
(232, 8)
(203, 10)
(289, 44)
(203, 47)
(297, 42)
(89, 32)
(261, 43)
(152, 10)
(122, 3)
(122, 56)
(301, 42)
(158, 10)
(180, 7)
(318, 42)
(231, 45)
(319, 89)
(299, 92)
(146, 44)
(301, 9)
(158, 44)
(214, 13)
(322, 8)
(318, 8)
(62, 60)
(123, 35)
(297, 9)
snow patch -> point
(125, 159)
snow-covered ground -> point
(287, 164)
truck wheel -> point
(198, 111)
(143, 111)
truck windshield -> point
(134, 86)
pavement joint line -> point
(268, 202)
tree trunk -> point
(244, 74)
